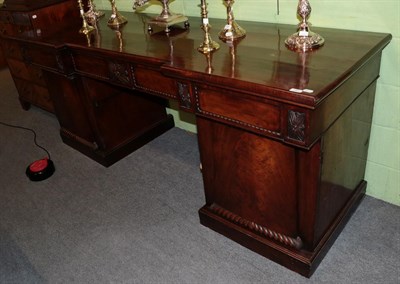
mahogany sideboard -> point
(283, 136)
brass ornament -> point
(116, 19)
(93, 13)
(208, 44)
(86, 28)
(232, 30)
(166, 19)
(304, 39)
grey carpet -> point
(137, 221)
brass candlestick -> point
(116, 19)
(166, 19)
(93, 13)
(232, 30)
(208, 44)
(304, 39)
(86, 28)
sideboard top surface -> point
(260, 63)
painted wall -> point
(383, 167)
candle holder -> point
(116, 19)
(166, 19)
(208, 44)
(86, 28)
(93, 13)
(232, 30)
(304, 39)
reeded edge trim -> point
(232, 217)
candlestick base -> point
(304, 41)
(232, 32)
(209, 47)
(167, 21)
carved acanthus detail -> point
(60, 63)
(232, 217)
(184, 96)
(119, 73)
(296, 125)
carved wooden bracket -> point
(119, 73)
(296, 125)
(185, 99)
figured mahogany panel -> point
(136, 113)
(257, 182)
(18, 69)
(26, 5)
(24, 88)
(41, 98)
(345, 150)
(36, 75)
(70, 108)
(11, 49)
(58, 14)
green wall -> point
(383, 167)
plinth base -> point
(301, 261)
(167, 22)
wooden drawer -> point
(44, 57)
(257, 115)
(97, 67)
(126, 74)
(154, 82)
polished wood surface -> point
(283, 136)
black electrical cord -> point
(27, 129)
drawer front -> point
(112, 71)
(240, 110)
(154, 82)
(44, 57)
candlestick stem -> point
(86, 28)
(208, 44)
